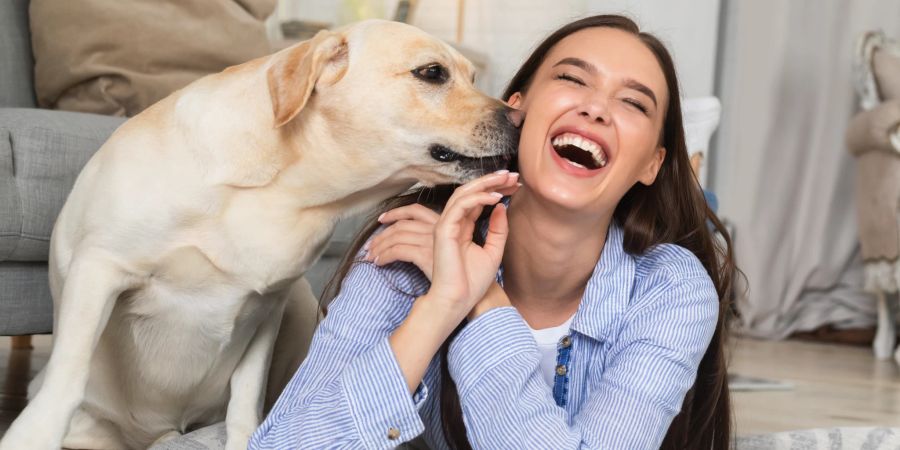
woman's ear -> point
(515, 100)
(648, 176)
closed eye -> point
(570, 78)
(637, 104)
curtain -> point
(781, 169)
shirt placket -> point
(561, 378)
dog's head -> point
(398, 103)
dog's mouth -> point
(485, 164)
(580, 151)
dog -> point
(180, 252)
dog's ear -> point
(294, 73)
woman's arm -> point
(353, 390)
(349, 392)
(507, 404)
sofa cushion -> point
(119, 57)
(16, 62)
(25, 303)
(41, 154)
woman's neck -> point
(549, 257)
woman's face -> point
(593, 115)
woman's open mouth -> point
(579, 152)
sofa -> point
(41, 154)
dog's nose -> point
(516, 117)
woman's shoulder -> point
(671, 283)
(669, 261)
(671, 270)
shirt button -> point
(393, 433)
(566, 342)
(561, 370)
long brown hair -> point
(671, 210)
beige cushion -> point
(119, 57)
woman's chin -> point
(564, 197)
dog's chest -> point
(202, 331)
(265, 248)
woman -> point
(610, 297)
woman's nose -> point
(595, 109)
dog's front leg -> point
(248, 383)
(92, 286)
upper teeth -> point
(585, 144)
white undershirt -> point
(547, 342)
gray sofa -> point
(41, 154)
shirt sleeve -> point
(507, 404)
(349, 393)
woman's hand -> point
(409, 235)
(463, 270)
(460, 270)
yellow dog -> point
(180, 252)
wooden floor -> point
(833, 385)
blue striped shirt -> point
(637, 338)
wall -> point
(507, 30)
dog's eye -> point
(432, 73)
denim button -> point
(561, 370)
(565, 342)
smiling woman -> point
(590, 315)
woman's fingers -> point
(498, 230)
(507, 191)
(421, 257)
(461, 215)
(414, 211)
(413, 226)
(488, 183)
(397, 237)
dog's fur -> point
(180, 252)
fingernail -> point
(515, 174)
(375, 261)
(497, 194)
(519, 184)
(501, 171)
(381, 216)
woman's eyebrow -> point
(630, 83)
(638, 86)
(578, 62)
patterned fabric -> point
(41, 154)
(825, 438)
(638, 336)
(213, 438)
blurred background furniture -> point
(41, 153)
(873, 137)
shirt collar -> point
(608, 289)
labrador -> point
(180, 252)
